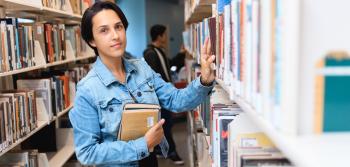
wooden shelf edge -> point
(60, 157)
(58, 12)
(41, 125)
(198, 13)
(39, 9)
(30, 6)
(27, 69)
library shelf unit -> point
(41, 124)
(302, 147)
(34, 10)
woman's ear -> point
(92, 43)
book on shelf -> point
(137, 119)
(258, 147)
(28, 44)
(234, 137)
(331, 94)
(43, 90)
(223, 122)
(222, 114)
(24, 158)
(249, 69)
(20, 159)
(19, 113)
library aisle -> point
(280, 96)
(282, 69)
(180, 137)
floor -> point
(180, 137)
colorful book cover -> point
(332, 98)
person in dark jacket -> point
(157, 59)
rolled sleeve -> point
(202, 88)
(140, 145)
(179, 100)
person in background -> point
(156, 58)
(179, 60)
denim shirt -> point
(98, 105)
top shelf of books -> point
(63, 9)
(197, 10)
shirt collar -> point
(106, 76)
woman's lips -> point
(117, 45)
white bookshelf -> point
(65, 148)
(24, 5)
(324, 150)
(40, 125)
(34, 10)
(60, 13)
(307, 35)
(59, 158)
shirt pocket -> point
(147, 91)
(111, 113)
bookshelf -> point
(41, 124)
(68, 49)
(298, 35)
(308, 150)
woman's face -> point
(109, 36)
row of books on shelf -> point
(32, 158)
(24, 158)
(234, 32)
(18, 115)
(36, 99)
(250, 66)
(72, 6)
(235, 35)
(235, 141)
(29, 44)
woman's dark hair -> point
(157, 30)
(86, 21)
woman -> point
(114, 81)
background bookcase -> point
(69, 14)
(281, 49)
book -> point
(137, 119)
(42, 89)
(332, 98)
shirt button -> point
(143, 154)
(139, 94)
(110, 109)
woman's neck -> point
(116, 66)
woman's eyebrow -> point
(104, 26)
